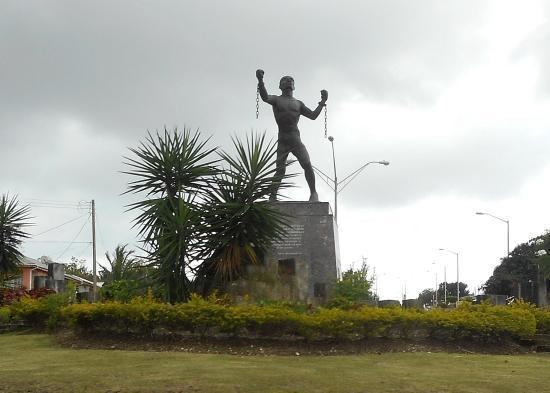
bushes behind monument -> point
(209, 318)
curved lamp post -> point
(507, 222)
(457, 277)
(338, 185)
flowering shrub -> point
(209, 317)
(9, 295)
(206, 318)
(542, 315)
(5, 315)
(40, 312)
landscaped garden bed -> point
(215, 325)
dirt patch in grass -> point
(287, 346)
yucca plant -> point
(169, 165)
(172, 169)
(242, 224)
(201, 223)
(14, 218)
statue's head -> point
(287, 82)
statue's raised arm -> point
(261, 88)
(304, 110)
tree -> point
(14, 218)
(542, 260)
(451, 290)
(426, 297)
(171, 169)
(526, 268)
(78, 268)
(242, 224)
(201, 223)
(123, 266)
(513, 270)
(355, 285)
(126, 276)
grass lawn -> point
(34, 363)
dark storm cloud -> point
(81, 81)
(128, 66)
(119, 68)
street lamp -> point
(444, 283)
(336, 185)
(507, 228)
(436, 285)
(457, 277)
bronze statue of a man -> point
(287, 111)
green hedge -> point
(5, 315)
(44, 312)
(543, 320)
(542, 315)
(203, 317)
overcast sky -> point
(456, 95)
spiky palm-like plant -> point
(122, 265)
(14, 218)
(171, 169)
(241, 222)
(201, 223)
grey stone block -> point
(56, 271)
(305, 264)
(57, 285)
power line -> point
(56, 241)
(83, 250)
(73, 241)
(54, 207)
(44, 203)
(51, 201)
(70, 207)
(59, 226)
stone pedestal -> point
(305, 264)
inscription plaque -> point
(292, 243)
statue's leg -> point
(300, 152)
(282, 155)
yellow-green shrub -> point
(542, 315)
(207, 317)
(32, 311)
(203, 317)
(5, 315)
(484, 322)
(41, 312)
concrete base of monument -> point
(304, 265)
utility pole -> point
(445, 285)
(94, 290)
(457, 277)
(457, 282)
(338, 186)
(375, 279)
(331, 139)
(436, 288)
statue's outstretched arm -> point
(305, 111)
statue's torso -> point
(287, 114)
